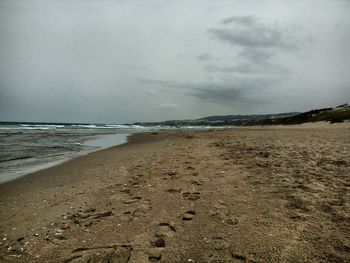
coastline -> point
(99, 142)
(248, 194)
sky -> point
(122, 61)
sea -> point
(29, 147)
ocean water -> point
(26, 148)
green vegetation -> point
(332, 115)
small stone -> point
(11, 248)
(65, 226)
(60, 235)
(20, 239)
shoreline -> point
(100, 142)
(132, 139)
(247, 194)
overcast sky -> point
(124, 61)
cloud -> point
(258, 43)
(243, 20)
(239, 90)
(201, 57)
(250, 32)
(168, 106)
(255, 55)
(205, 56)
(240, 68)
(248, 68)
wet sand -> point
(260, 194)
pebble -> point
(65, 226)
(60, 235)
(11, 248)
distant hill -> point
(332, 115)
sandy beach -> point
(259, 194)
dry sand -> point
(271, 194)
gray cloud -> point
(249, 68)
(235, 91)
(256, 55)
(243, 20)
(243, 68)
(258, 43)
(250, 32)
(205, 57)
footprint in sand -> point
(106, 254)
(196, 183)
(159, 242)
(132, 200)
(173, 190)
(155, 257)
(188, 216)
(192, 196)
(140, 210)
(89, 216)
(166, 229)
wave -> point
(121, 127)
